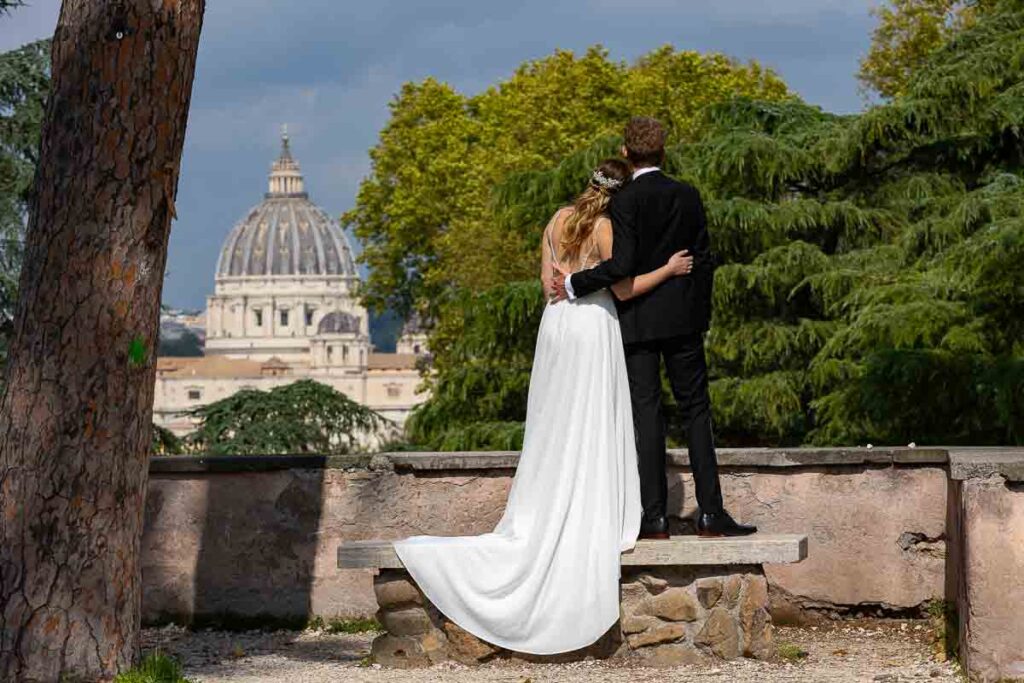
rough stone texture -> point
(990, 593)
(410, 652)
(464, 646)
(637, 624)
(672, 605)
(264, 541)
(246, 544)
(721, 634)
(394, 589)
(853, 518)
(982, 463)
(662, 622)
(709, 591)
(731, 590)
(412, 621)
(759, 635)
(666, 633)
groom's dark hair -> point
(645, 141)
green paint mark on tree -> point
(137, 351)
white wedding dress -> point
(546, 580)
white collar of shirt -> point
(646, 169)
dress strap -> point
(551, 245)
(551, 242)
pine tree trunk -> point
(75, 416)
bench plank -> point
(679, 550)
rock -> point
(638, 624)
(413, 621)
(434, 646)
(709, 591)
(754, 598)
(396, 591)
(673, 655)
(662, 634)
(721, 634)
(632, 591)
(406, 652)
(464, 646)
(731, 590)
(653, 584)
(759, 636)
(673, 605)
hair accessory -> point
(601, 180)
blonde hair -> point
(590, 206)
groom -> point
(652, 218)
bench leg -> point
(693, 615)
(669, 616)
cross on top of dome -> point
(285, 176)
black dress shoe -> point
(721, 524)
(655, 528)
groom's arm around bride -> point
(654, 217)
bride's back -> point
(588, 255)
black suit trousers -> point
(687, 372)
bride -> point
(546, 580)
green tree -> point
(426, 215)
(24, 82)
(907, 32)
(871, 288)
(302, 417)
(165, 442)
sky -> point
(329, 68)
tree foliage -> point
(24, 82)
(302, 417)
(908, 31)
(871, 289)
(426, 215)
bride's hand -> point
(681, 263)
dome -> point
(286, 234)
(338, 322)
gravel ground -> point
(847, 652)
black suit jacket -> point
(652, 218)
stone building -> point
(284, 308)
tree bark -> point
(76, 412)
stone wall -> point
(234, 538)
(987, 531)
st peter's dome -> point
(286, 234)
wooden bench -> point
(684, 600)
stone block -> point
(990, 538)
(731, 590)
(709, 591)
(412, 621)
(721, 634)
(406, 652)
(662, 634)
(395, 589)
(464, 646)
(758, 636)
(654, 584)
(638, 624)
(755, 597)
(675, 604)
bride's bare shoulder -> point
(560, 215)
